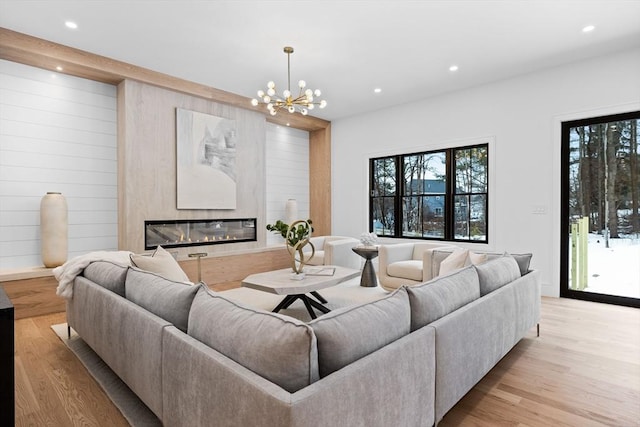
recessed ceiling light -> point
(453, 68)
(59, 68)
(377, 90)
(588, 29)
(71, 24)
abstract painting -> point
(206, 161)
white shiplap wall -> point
(287, 170)
(57, 133)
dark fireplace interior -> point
(187, 232)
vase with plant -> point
(296, 237)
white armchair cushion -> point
(410, 269)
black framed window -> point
(441, 194)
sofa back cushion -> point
(163, 297)
(496, 273)
(439, 297)
(108, 275)
(279, 348)
(523, 260)
(348, 334)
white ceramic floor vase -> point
(53, 229)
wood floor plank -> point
(583, 371)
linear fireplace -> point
(186, 232)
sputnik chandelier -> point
(305, 101)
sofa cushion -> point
(439, 297)
(411, 269)
(165, 298)
(496, 273)
(108, 275)
(348, 334)
(523, 260)
(162, 263)
(279, 348)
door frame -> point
(565, 290)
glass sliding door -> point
(600, 209)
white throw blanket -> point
(67, 272)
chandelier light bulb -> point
(286, 93)
(302, 84)
(272, 112)
(311, 106)
(254, 102)
(260, 93)
(308, 93)
(266, 99)
(271, 92)
(292, 109)
(271, 85)
(304, 111)
(270, 106)
(323, 103)
(317, 92)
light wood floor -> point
(583, 370)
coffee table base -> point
(309, 303)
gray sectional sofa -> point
(198, 358)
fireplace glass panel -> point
(181, 233)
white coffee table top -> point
(280, 282)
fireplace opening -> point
(186, 232)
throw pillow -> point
(477, 259)
(441, 296)
(165, 298)
(453, 262)
(348, 334)
(279, 348)
(496, 273)
(162, 263)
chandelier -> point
(305, 100)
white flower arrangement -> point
(368, 239)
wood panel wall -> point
(147, 165)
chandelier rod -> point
(288, 50)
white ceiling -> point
(346, 48)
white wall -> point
(523, 115)
(57, 133)
(287, 164)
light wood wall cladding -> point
(41, 53)
(233, 268)
(320, 180)
(147, 164)
(34, 297)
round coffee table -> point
(368, 278)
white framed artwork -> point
(206, 161)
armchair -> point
(406, 263)
(335, 250)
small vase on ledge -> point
(53, 229)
